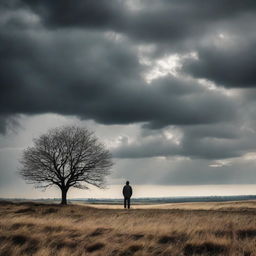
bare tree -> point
(66, 157)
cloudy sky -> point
(167, 85)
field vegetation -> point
(50, 229)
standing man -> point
(127, 192)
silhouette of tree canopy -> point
(66, 157)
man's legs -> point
(125, 202)
(128, 201)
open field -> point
(249, 205)
(226, 228)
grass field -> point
(172, 229)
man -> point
(127, 192)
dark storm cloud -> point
(150, 147)
(144, 20)
(82, 58)
(231, 66)
(171, 26)
(95, 14)
(209, 141)
(88, 74)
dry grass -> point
(211, 229)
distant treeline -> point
(146, 200)
(153, 200)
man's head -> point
(127, 182)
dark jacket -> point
(127, 191)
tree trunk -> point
(64, 196)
